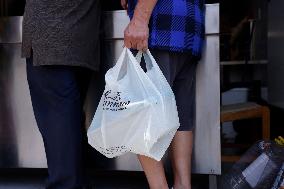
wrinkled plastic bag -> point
(137, 112)
(257, 169)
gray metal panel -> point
(212, 25)
(207, 149)
(11, 29)
(115, 23)
(20, 141)
(207, 146)
(275, 53)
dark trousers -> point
(57, 94)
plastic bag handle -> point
(138, 68)
(118, 66)
(139, 56)
(152, 64)
(147, 57)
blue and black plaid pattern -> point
(176, 25)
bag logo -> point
(113, 101)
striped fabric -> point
(176, 25)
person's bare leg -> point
(181, 150)
(154, 171)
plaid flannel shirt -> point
(176, 25)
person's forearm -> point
(144, 10)
(136, 33)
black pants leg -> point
(57, 97)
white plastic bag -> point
(137, 112)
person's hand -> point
(124, 4)
(136, 35)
